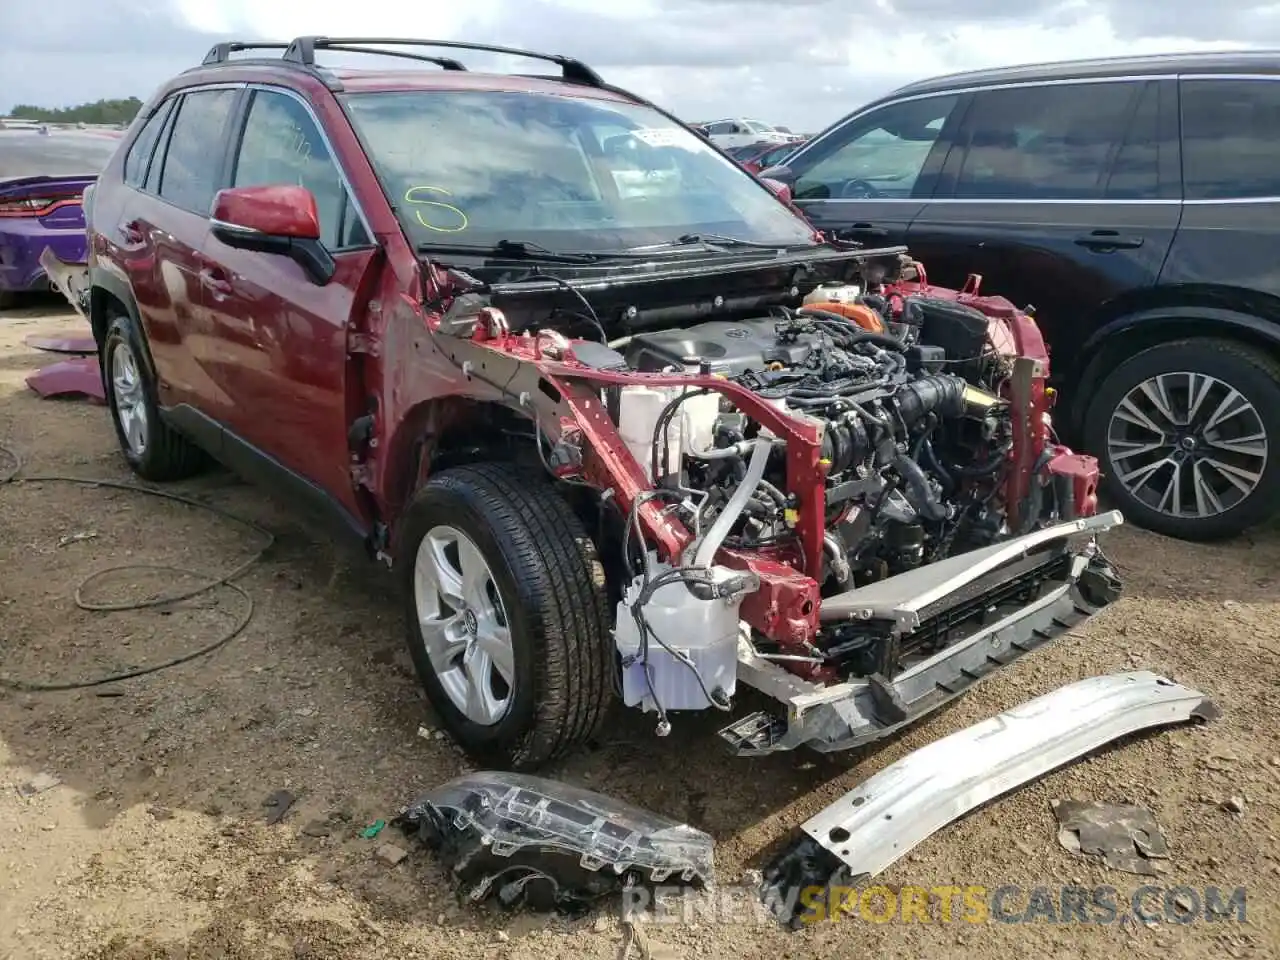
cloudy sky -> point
(798, 62)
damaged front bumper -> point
(992, 605)
(69, 279)
(883, 818)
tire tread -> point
(561, 585)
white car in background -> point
(742, 133)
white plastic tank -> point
(702, 636)
(692, 428)
(833, 293)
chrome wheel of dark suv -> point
(1187, 444)
(1188, 432)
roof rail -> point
(448, 63)
(221, 52)
(303, 50)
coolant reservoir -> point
(692, 428)
(698, 421)
(638, 412)
(833, 293)
(703, 639)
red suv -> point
(623, 424)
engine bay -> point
(791, 452)
(915, 436)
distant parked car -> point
(1133, 202)
(38, 212)
(760, 155)
(742, 133)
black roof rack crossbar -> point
(221, 52)
(448, 63)
(303, 50)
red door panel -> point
(158, 247)
(282, 356)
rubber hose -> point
(711, 542)
(918, 492)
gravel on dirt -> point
(154, 843)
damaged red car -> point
(624, 426)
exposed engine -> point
(916, 438)
(914, 432)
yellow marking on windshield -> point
(462, 217)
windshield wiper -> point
(713, 241)
(511, 250)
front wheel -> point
(507, 614)
(1189, 437)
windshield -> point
(755, 126)
(476, 167)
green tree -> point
(100, 111)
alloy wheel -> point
(464, 625)
(129, 398)
(1187, 445)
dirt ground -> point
(154, 844)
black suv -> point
(1134, 204)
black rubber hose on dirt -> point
(12, 475)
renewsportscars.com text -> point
(968, 904)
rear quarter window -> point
(1230, 139)
(141, 150)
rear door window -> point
(1045, 142)
(282, 145)
(1135, 172)
(197, 144)
(143, 148)
(1230, 139)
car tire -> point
(1228, 393)
(520, 666)
(153, 449)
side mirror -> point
(779, 172)
(780, 190)
(281, 219)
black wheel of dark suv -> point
(153, 449)
(1188, 434)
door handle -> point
(131, 232)
(1104, 241)
(216, 282)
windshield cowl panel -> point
(477, 167)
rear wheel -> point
(1189, 436)
(507, 614)
(153, 449)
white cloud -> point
(803, 63)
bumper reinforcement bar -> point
(885, 817)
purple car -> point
(35, 213)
